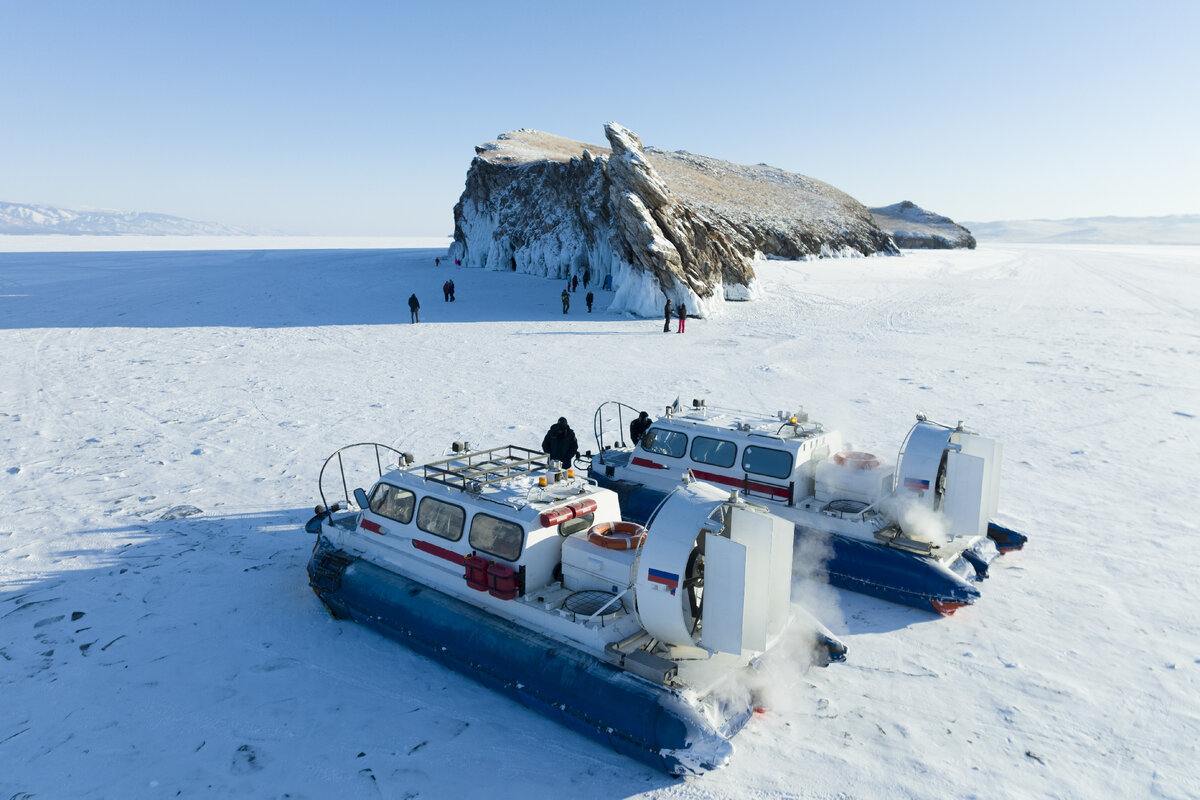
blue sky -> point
(361, 117)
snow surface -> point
(165, 415)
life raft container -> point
(857, 460)
(617, 535)
(582, 508)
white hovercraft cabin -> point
(807, 475)
(512, 569)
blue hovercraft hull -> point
(1006, 539)
(632, 716)
(888, 573)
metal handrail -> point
(598, 424)
(342, 467)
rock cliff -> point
(658, 223)
(913, 227)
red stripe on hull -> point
(780, 492)
(777, 492)
(645, 462)
(440, 552)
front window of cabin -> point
(393, 502)
(767, 461)
(714, 452)
(441, 518)
(665, 442)
(496, 537)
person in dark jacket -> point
(566, 298)
(667, 316)
(638, 428)
(414, 305)
(590, 298)
(560, 442)
(681, 312)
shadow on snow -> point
(267, 288)
(192, 652)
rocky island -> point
(912, 227)
(657, 224)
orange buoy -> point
(617, 535)
(857, 460)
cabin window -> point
(577, 524)
(441, 519)
(765, 461)
(716, 452)
(665, 443)
(393, 502)
(497, 537)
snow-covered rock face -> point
(662, 225)
(912, 227)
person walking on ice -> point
(682, 312)
(667, 316)
(590, 297)
(414, 305)
(566, 298)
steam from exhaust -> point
(778, 683)
(917, 520)
(811, 591)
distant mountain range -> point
(1174, 229)
(28, 219)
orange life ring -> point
(617, 535)
(857, 460)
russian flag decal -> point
(912, 484)
(667, 579)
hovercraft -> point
(917, 533)
(515, 571)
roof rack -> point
(471, 471)
(704, 409)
